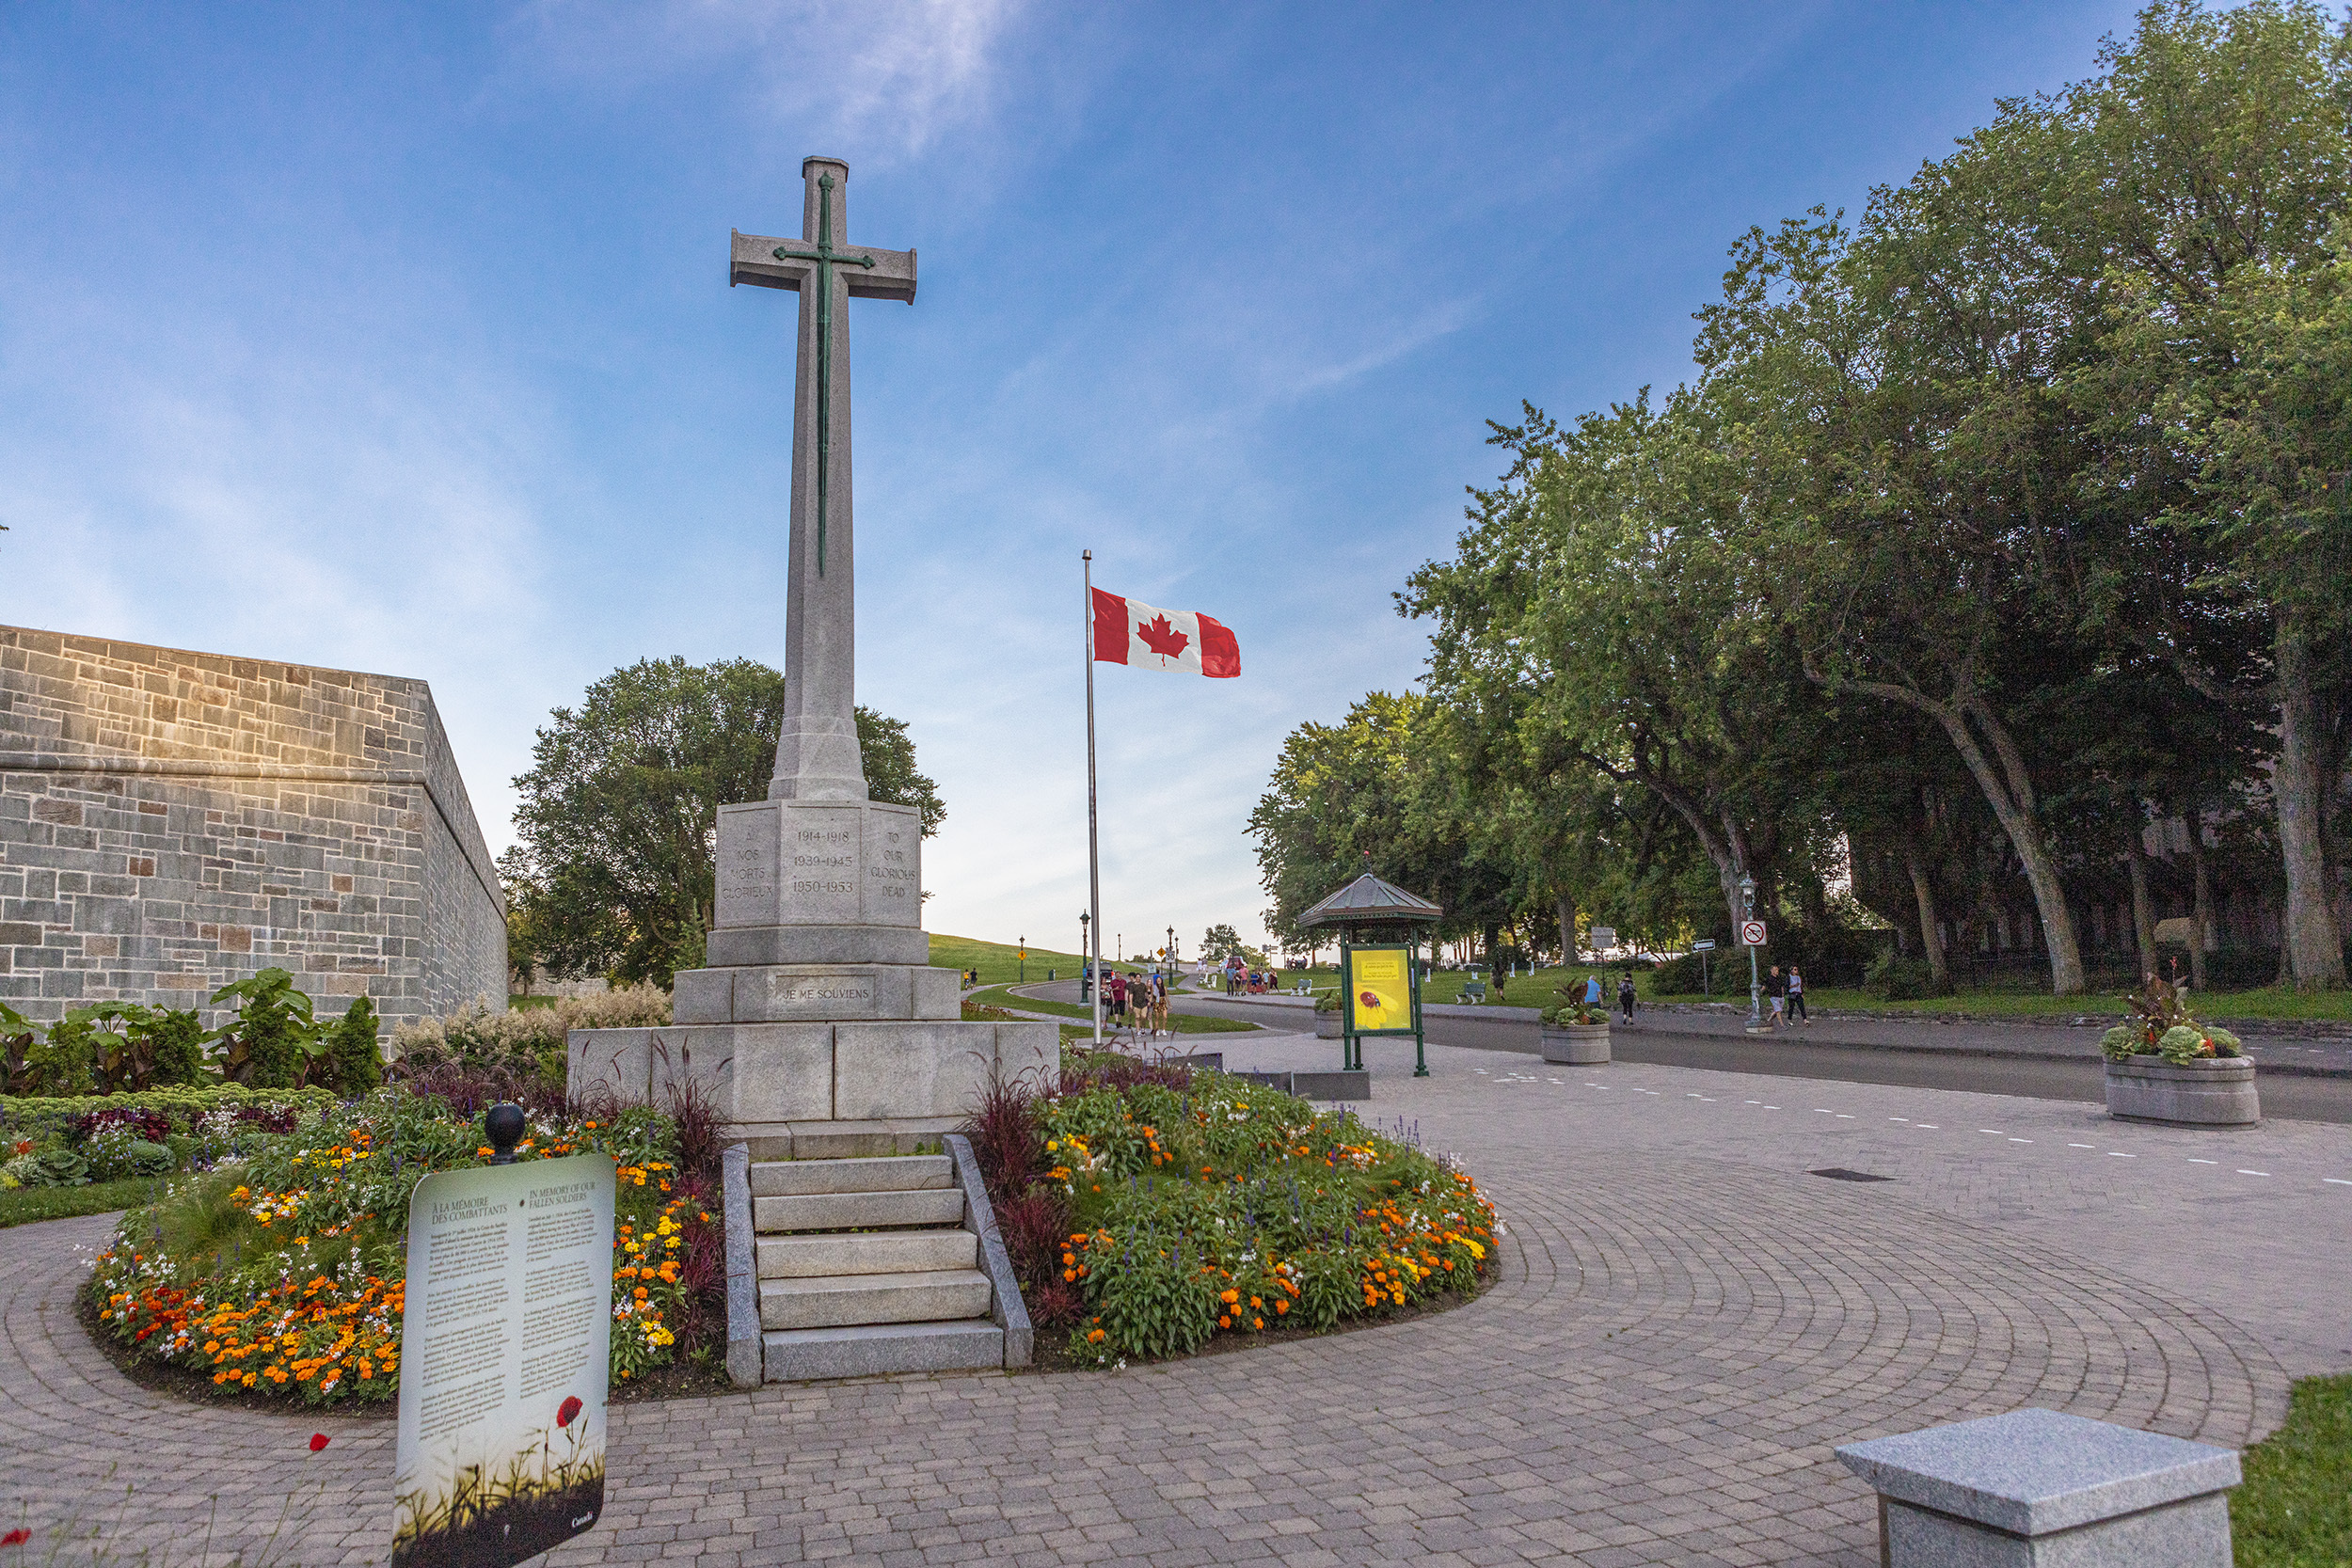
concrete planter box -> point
(1326, 1026)
(1576, 1044)
(2212, 1092)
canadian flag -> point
(1128, 631)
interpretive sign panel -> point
(503, 1351)
(1380, 990)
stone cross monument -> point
(819, 1023)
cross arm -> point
(755, 260)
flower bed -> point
(281, 1269)
(1148, 1209)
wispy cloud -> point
(890, 77)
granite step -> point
(857, 1210)
(871, 1349)
(888, 1174)
(934, 1295)
(872, 1251)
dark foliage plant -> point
(274, 1039)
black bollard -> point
(504, 1124)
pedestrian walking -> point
(1778, 985)
(1796, 996)
(1625, 994)
(1592, 991)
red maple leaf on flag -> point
(1161, 638)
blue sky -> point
(398, 339)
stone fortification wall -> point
(171, 821)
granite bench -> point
(2038, 1489)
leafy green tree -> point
(1603, 599)
(1220, 943)
(353, 1062)
(617, 825)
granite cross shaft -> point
(816, 754)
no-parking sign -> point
(1751, 933)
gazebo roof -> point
(1369, 901)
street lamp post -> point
(1085, 964)
(1025, 958)
(1171, 958)
(1755, 990)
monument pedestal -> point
(819, 1027)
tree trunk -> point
(2313, 942)
(1930, 937)
(2010, 796)
(1566, 908)
(2143, 910)
(2009, 791)
(2200, 927)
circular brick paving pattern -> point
(1673, 1348)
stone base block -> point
(2190, 1535)
(768, 1079)
(817, 945)
(2042, 1489)
(776, 993)
(2216, 1092)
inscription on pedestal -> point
(893, 867)
(846, 994)
(820, 864)
(747, 865)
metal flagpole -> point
(1094, 860)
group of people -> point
(1786, 993)
(1137, 1002)
(1625, 993)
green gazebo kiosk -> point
(1380, 926)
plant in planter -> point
(2163, 1065)
(1328, 1015)
(1575, 1033)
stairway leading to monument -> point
(865, 1266)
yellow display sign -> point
(1380, 992)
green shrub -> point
(274, 1038)
(52, 1167)
(524, 1040)
(24, 1116)
(1894, 976)
(115, 1154)
(62, 1064)
(354, 1063)
(1684, 976)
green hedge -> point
(180, 1101)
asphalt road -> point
(2292, 1098)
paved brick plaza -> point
(1686, 1323)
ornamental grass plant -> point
(1148, 1209)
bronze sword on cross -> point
(882, 275)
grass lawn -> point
(1001, 996)
(2296, 1508)
(24, 1205)
(997, 961)
(2269, 1002)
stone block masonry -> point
(173, 821)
